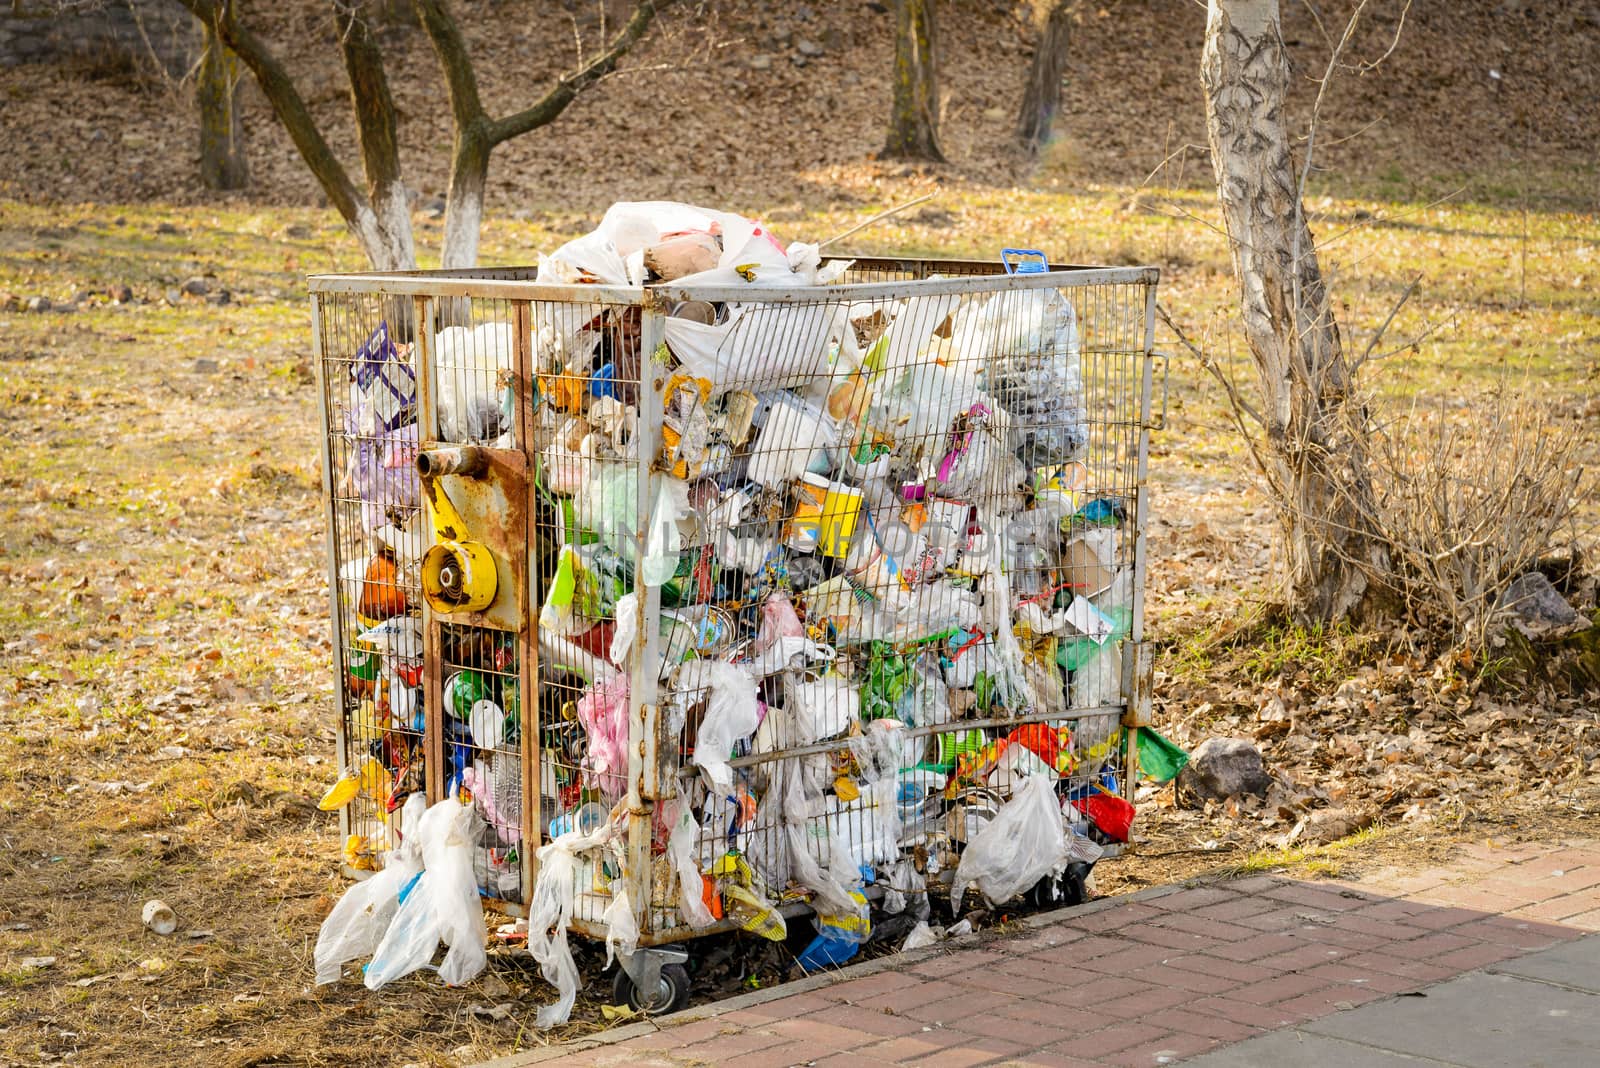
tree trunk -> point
(463, 216)
(914, 120)
(222, 159)
(390, 244)
(1042, 97)
(1316, 448)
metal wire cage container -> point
(761, 573)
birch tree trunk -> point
(914, 118)
(1042, 97)
(222, 159)
(1315, 430)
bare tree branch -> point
(1384, 326)
(568, 88)
(461, 80)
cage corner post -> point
(325, 415)
(532, 819)
(643, 710)
(1138, 661)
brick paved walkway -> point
(1145, 980)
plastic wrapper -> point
(1025, 842)
(681, 849)
(622, 926)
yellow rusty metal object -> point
(458, 574)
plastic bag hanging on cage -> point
(550, 914)
(627, 628)
(357, 923)
(1024, 842)
(681, 850)
(440, 906)
(731, 715)
(622, 926)
(758, 346)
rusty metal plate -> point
(494, 507)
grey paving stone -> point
(1576, 964)
(1301, 1049)
(1480, 1021)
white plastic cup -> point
(159, 917)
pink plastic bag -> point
(778, 620)
(603, 711)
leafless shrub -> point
(1468, 495)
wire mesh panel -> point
(796, 584)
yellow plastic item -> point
(753, 914)
(370, 778)
(340, 793)
(846, 790)
(358, 855)
(457, 575)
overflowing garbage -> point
(854, 565)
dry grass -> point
(164, 689)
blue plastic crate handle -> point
(1024, 261)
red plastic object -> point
(1112, 814)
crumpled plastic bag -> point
(382, 469)
(603, 711)
(615, 252)
(731, 714)
(622, 926)
(681, 849)
(627, 628)
(1034, 371)
(357, 923)
(778, 620)
(441, 906)
(739, 352)
(468, 368)
(1024, 842)
(550, 913)
(823, 708)
(921, 935)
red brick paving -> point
(1147, 982)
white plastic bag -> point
(550, 913)
(681, 849)
(622, 926)
(921, 935)
(823, 708)
(731, 714)
(1024, 842)
(357, 923)
(442, 905)
(759, 346)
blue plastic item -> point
(1024, 261)
(828, 951)
(603, 383)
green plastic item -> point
(1073, 653)
(1160, 758)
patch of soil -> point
(756, 105)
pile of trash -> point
(890, 595)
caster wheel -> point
(670, 995)
(1062, 891)
(1046, 893)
